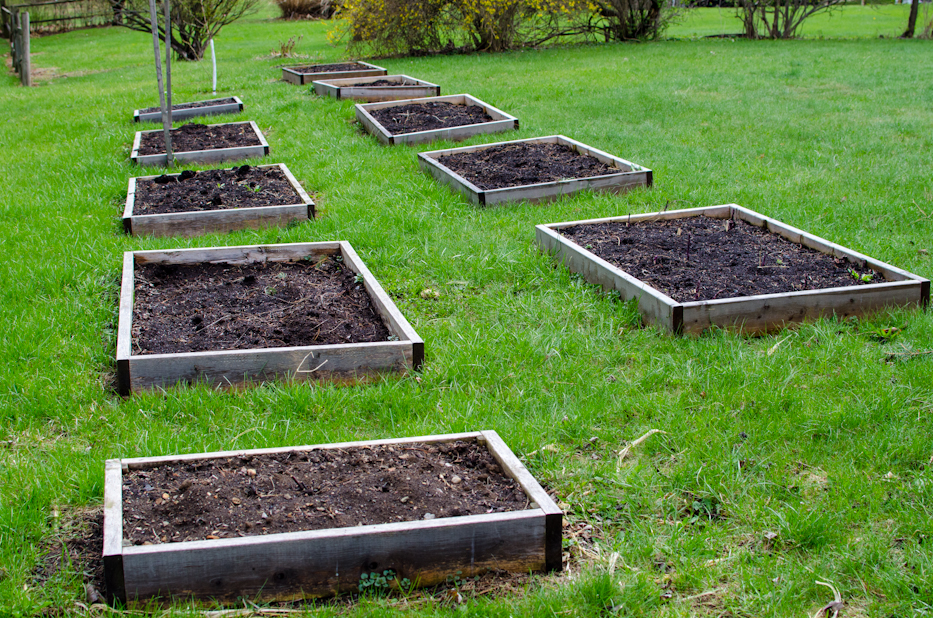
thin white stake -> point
(214, 59)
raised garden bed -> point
(306, 74)
(183, 111)
(490, 513)
(466, 116)
(199, 143)
(235, 315)
(528, 170)
(680, 247)
(384, 88)
(192, 203)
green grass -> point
(831, 136)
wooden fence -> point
(17, 23)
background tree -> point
(911, 20)
(194, 22)
(779, 19)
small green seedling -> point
(358, 279)
(855, 275)
(381, 582)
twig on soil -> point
(624, 452)
(905, 355)
(833, 606)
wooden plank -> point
(125, 325)
(196, 223)
(238, 254)
(327, 562)
(614, 183)
(113, 530)
(501, 121)
(406, 88)
(128, 208)
(655, 307)
(349, 362)
(540, 499)
(141, 463)
(183, 113)
(753, 314)
(716, 212)
(394, 319)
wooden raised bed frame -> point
(751, 314)
(292, 76)
(500, 121)
(196, 222)
(193, 112)
(406, 88)
(319, 563)
(630, 175)
(342, 362)
(214, 155)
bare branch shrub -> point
(194, 22)
(778, 19)
(307, 9)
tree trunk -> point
(911, 20)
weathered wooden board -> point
(219, 106)
(215, 155)
(343, 363)
(630, 175)
(293, 76)
(749, 313)
(404, 87)
(500, 121)
(194, 223)
(327, 562)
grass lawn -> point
(787, 459)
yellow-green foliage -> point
(395, 27)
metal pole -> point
(153, 21)
(167, 119)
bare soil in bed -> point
(415, 117)
(701, 258)
(199, 307)
(378, 82)
(524, 163)
(239, 187)
(313, 490)
(192, 105)
(194, 136)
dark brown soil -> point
(239, 187)
(194, 105)
(189, 137)
(313, 490)
(701, 258)
(331, 68)
(428, 117)
(524, 163)
(378, 82)
(200, 307)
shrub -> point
(307, 9)
(413, 27)
(778, 19)
(194, 22)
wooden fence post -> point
(26, 66)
